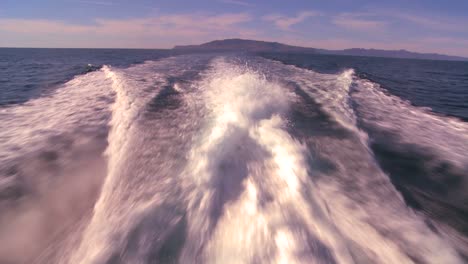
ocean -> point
(151, 156)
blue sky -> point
(425, 26)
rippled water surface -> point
(127, 156)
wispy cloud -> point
(434, 22)
(387, 29)
(27, 26)
(378, 18)
(236, 2)
(166, 27)
(358, 21)
(285, 22)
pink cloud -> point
(434, 22)
(176, 26)
(165, 30)
(285, 23)
(358, 22)
(40, 26)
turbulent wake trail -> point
(139, 201)
(262, 194)
(51, 167)
(243, 160)
(249, 176)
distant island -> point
(264, 46)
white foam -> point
(251, 195)
(143, 145)
(26, 127)
(446, 136)
(359, 200)
(331, 91)
(246, 107)
(98, 237)
(64, 122)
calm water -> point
(145, 156)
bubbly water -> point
(228, 158)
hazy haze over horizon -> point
(421, 26)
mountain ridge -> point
(265, 46)
(244, 45)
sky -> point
(417, 25)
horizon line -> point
(173, 48)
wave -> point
(251, 175)
(415, 125)
(221, 158)
(353, 101)
(353, 176)
(50, 164)
(422, 152)
(251, 184)
(129, 100)
(27, 125)
(244, 159)
(143, 145)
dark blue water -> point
(440, 85)
(26, 73)
(147, 156)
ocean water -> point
(146, 156)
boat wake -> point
(231, 159)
